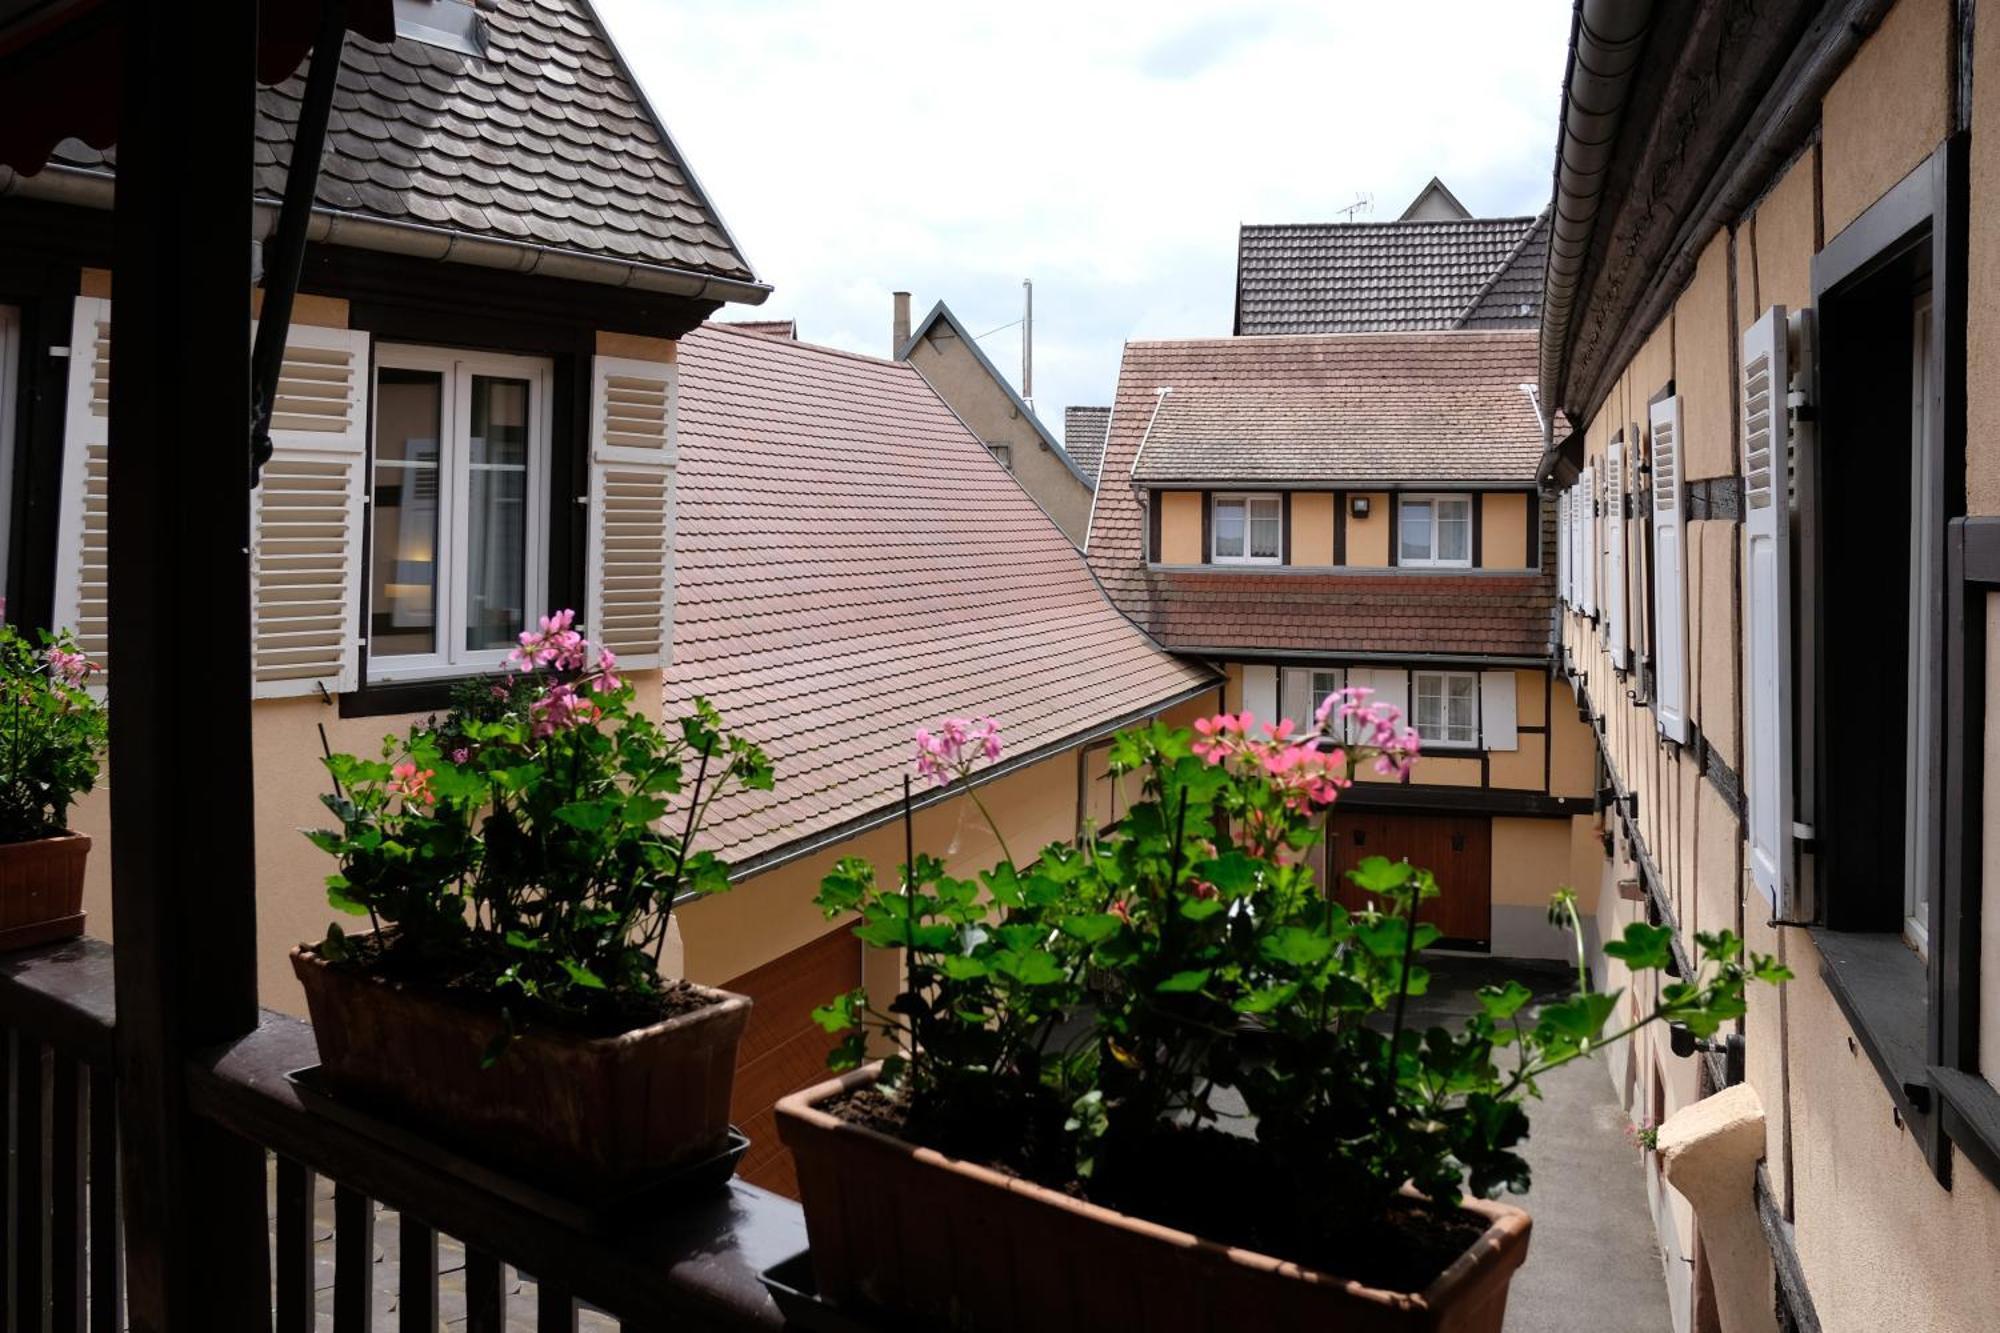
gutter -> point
(793, 851)
(95, 189)
(1606, 39)
(1535, 661)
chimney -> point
(900, 331)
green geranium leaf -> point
(1093, 928)
(1182, 983)
(1503, 1002)
(1297, 945)
(1643, 948)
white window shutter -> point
(1562, 547)
(631, 557)
(1615, 633)
(1591, 547)
(1670, 668)
(1295, 696)
(1767, 778)
(80, 521)
(1391, 686)
(1260, 692)
(306, 518)
(1497, 729)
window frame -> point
(1446, 679)
(1435, 499)
(458, 367)
(1247, 499)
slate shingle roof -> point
(1399, 408)
(1362, 277)
(1514, 298)
(1399, 611)
(545, 141)
(851, 563)
(1083, 436)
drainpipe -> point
(1605, 44)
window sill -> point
(389, 698)
(1969, 1114)
(1881, 986)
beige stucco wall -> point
(1180, 528)
(1504, 536)
(1312, 528)
(1368, 538)
(955, 373)
(1882, 1243)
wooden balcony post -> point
(183, 892)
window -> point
(1304, 689)
(1003, 454)
(458, 492)
(1249, 529)
(1447, 707)
(1435, 530)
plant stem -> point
(973, 792)
(1402, 993)
(681, 856)
(910, 910)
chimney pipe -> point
(1028, 342)
(900, 332)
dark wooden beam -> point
(182, 856)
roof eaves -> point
(942, 311)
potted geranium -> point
(52, 736)
(1162, 1080)
(518, 862)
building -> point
(1436, 267)
(950, 360)
(1083, 436)
(1771, 313)
(1313, 511)
(851, 564)
(475, 418)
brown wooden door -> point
(1457, 849)
(783, 1049)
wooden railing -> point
(694, 1266)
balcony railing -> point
(693, 1266)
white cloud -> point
(1106, 150)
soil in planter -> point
(1222, 1187)
(465, 978)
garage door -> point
(783, 1049)
(1457, 849)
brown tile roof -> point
(770, 328)
(1083, 435)
(1364, 277)
(545, 141)
(1405, 612)
(851, 563)
(1403, 408)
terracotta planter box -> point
(41, 890)
(606, 1110)
(906, 1229)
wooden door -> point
(1457, 849)
(783, 1049)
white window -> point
(458, 499)
(1248, 529)
(1304, 689)
(1446, 710)
(1435, 530)
(1004, 453)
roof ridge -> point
(1384, 226)
(734, 329)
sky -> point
(1108, 151)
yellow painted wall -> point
(1312, 528)
(1180, 528)
(955, 373)
(1531, 860)
(1887, 110)
(1703, 331)
(1503, 540)
(1573, 759)
(1785, 234)
(1443, 769)
(1368, 538)
(1519, 769)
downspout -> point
(1606, 40)
(287, 252)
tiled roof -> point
(545, 141)
(1514, 298)
(1083, 435)
(1462, 613)
(851, 563)
(1361, 277)
(1346, 408)
(787, 329)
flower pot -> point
(905, 1229)
(41, 890)
(556, 1105)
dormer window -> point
(1435, 530)
(1248, 530)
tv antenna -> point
(1363, 203)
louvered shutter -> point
(1391, 686)
(1260, 693)
(1562, 547)
(1613, 597)
(632, 442)
(1669, 573)
(1591, 548)
(1767, 641)
(306, 519)
(1497, 725)
(80, 522)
